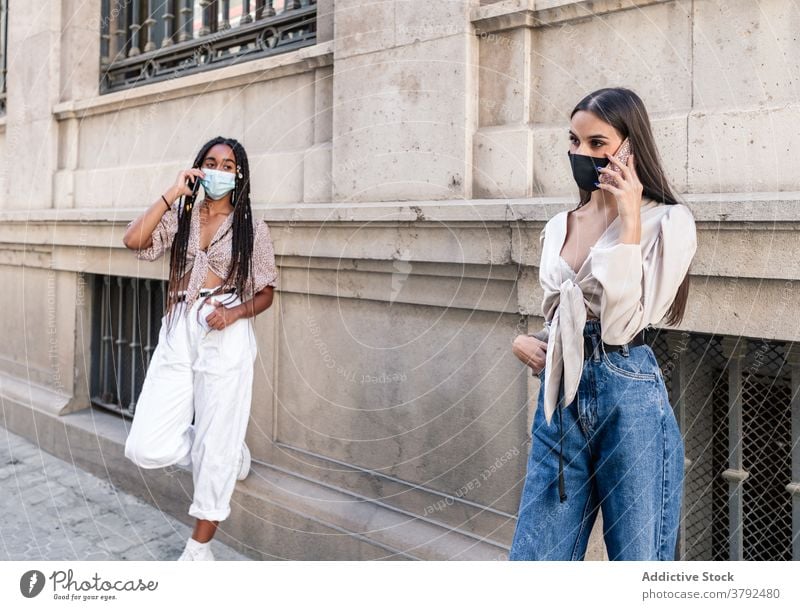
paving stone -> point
(54, 511)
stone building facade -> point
(405, 155)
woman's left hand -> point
(628, 189)
(221, 316)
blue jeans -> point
(622, 453)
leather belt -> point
(638, 339)
(205, 292)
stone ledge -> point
(510, 14)
(765, 207)
(246, 73)
(23, 391)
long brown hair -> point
(624, 110)
(242, 227)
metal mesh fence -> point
(732, 397)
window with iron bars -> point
(737, 401)
(145, 41)
(126, 321)
(3, 53)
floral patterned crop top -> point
(217, 257)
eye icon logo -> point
(31, 583)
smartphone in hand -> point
(623, 153)
(194, 185)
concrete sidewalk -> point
(53, 510)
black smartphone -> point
(194, 185)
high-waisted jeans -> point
(622, 453)
(205, 373)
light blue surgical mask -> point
(217, 183)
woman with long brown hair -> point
(195, 402)
(609, 268)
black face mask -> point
(584, 170)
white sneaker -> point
(244, 463)
(197, 551)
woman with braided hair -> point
(202, 367)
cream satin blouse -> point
(626, 286)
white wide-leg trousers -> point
(206, 373)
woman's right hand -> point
(531, 351)
(181, 187)
(139, 234)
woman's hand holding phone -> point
(187, 182)
(622, 153)
(139, 233)
(624, 184)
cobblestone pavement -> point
(53, 510)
